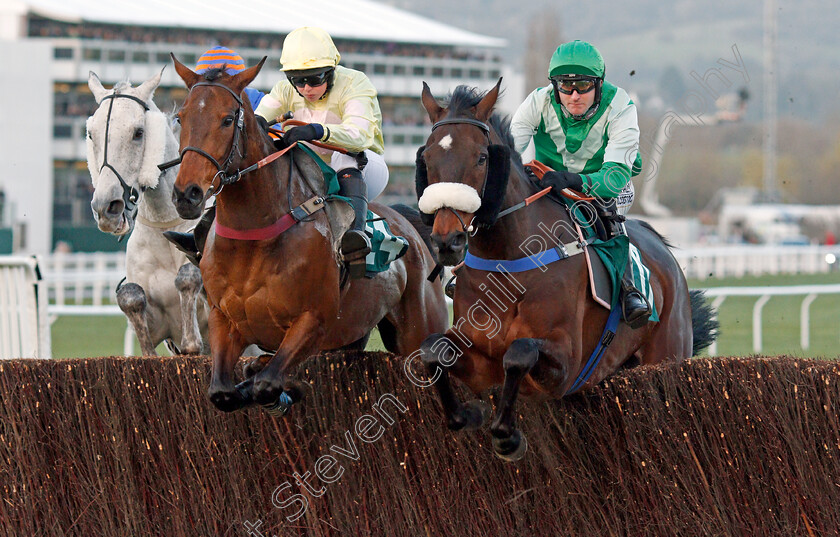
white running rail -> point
(85, 283)
(24, 329)
(738, 260)
(765, 293)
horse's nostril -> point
(194, 194)
(457, 243)
(115, 208)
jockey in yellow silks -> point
(341, 108)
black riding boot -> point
(634, 306)
(355, 245)
(192, 243)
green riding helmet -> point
(577, 60)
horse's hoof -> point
(266, 391)
(228, 401)
(473, 415)
(512, 448)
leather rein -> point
(286, 221)
(130, 195)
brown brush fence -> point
(132, 447)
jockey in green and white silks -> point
(601, 144)
(587, 131)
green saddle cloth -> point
(614, 253)
(330, 177)
(385, 247)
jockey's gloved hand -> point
(263, 123)
(561, 179)
(304, 133)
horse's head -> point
(213, 134)
(126, 140)
(461, 173)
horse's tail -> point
(413, 217)
(705, 327)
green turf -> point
(781, 327)
(81, 337)
(90, 337)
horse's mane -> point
(463, 98)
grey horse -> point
(127, 137)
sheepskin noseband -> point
(456, 196)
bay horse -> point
(530, 331)
(283, 290)
(127, 138)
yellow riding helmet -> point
(308, 47)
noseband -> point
(225, 177)
(130, 194)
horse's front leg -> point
(188, 283)
(520, 358)
(302, 340)
(132, 301)
(440, 354)
(226, 344)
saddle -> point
(321, 180)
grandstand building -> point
(51, 45)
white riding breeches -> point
(375, 173)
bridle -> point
(468, 229)
(476, 123)
(130, 194)
(224, 176)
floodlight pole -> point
(770, 100)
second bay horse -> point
(530, 330)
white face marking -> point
(201, 104)
(446, 142)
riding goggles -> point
(567, 86)
(310, 80)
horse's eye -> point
(138, 134)
(178, 119)
(89, 135)
(482, 158)
(227, 122)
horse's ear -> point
(147, 88)
(485, 107)
(241, 80)
(96, 88)
(434, 110)
(187, 75)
